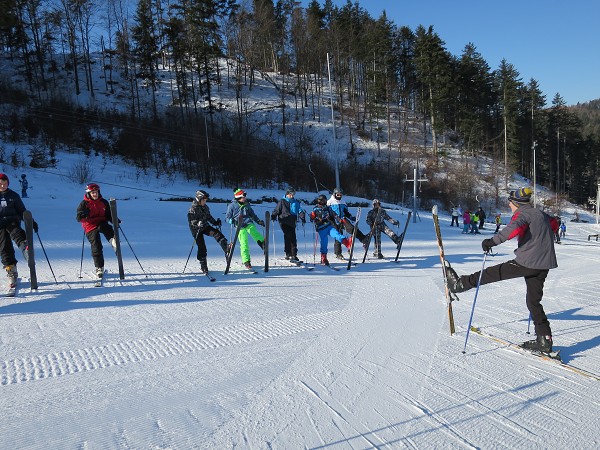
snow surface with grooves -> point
(289, 359)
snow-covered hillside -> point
(285, 359)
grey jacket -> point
(534, 229)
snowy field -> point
(286, 359)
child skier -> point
(200, 221)
(287, 211)
(376, 220)
(240, 207)
(24, 185)
(11, 214)
(341, 210)
(534, 258)
(94, 214)
(325, 223)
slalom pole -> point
(46, 255)
(82, 245)
(131, 248)
(474, 300)
(267, 237)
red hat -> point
(3, 176)
(239, 193)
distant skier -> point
(239, 206)
(24, 185)
(94, 214)
(200, 221)
(534, 258)
(377, 216)
(325, 222)
(455, 213)
(11, 215)
(341, 210)
(288, 211)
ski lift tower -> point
(414, 180)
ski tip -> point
(434, 210)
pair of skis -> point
(372, 233)
(12, 288)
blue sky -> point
(555, 42)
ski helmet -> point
(337, 193)
(321, 200)
(92, 187)
(200, 194)
(239, 193)
(376, 202)
(3, 176)
(290, 190)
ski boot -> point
(455, 283)
(248, 265)
(540, 343)
(12, 274)
(99, 272)
(294, 259)
(340, 256)
(324, 259)
(203, 266)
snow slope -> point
(288, 359)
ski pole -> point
(529, 324)
(190, 253)
(82, 245)
(131, 248)
(474, 300)
(267, 237)
(46, 255)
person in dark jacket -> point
(340, 208)
(534, 257)
(288, 211)
(11, 215)
(94, 214)
(326, 223)
(376, 220)
(482, 217)
(200, 220)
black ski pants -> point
(387, 230)
(12, 232)
(454, 220)
(534, 280)
(349, 227)
(96, 244)
(209, 231)
(290, 242)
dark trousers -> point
(12, 232)
(387, 230)
(290, 242)
(454, 221)
(534, 280)
(96, 244)
(209, 231)
(337, 246)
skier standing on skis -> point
(376, 220)
(325, 222)
(535, 256)
(11, 215)
(288, 211)
(341, 210)
(200, 221)
(240, 207)
(94, 214)
(24, 185)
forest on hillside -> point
(387, 80)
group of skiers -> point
(535, 231)
(472, 221)
(329, 216)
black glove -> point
(261, 223)
(83, 214)
(218, 223)
(487, 245)
(273, 217)
(396, 222)
(35, 226)
(352, 218)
